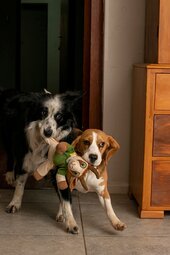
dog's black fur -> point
(26, 120)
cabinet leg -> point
(151, 214)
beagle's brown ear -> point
(112, 148)
(75, 143)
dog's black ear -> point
(71, 97)
(73, 103)
(73, 135)
(113, 146)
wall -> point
(123, 46)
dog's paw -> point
(11, 209)
(73, 230)
(71, 226)
(60, 218)
(10, 179)
(120, 226)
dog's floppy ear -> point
(113, 146)
(75, 143)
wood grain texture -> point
(157, 34)
(164, 32)
(161, 138)
(151, 214)
(160, 183)
(151, 31)
(150, 141)
(162, 96)
(93, 63)
(138, 133)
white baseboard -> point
(118, 188)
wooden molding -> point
(93, 63)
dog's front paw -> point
(72, 227)
(10, 179)
(73, 230)
(120, 226)
(12, 208)
(60, 218)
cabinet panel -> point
(162, 93)
(161, 135)
(157, 34)
(160, 195)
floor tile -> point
(35, 218)
(33, 230)
(41, 245)
(92, 198)
(96, 223)
(128, 246)
(33, 196)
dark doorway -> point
(9, 43)
(33, 47)
(82, 64)
(71, 45)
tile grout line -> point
(81, 218)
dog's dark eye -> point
(101, 145)
(44, 112)
(59, 117)
(86, 142)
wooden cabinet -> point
(150, 138)
(157, 39)
(150, 144)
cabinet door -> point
(160, 195)
(161, 135)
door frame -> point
(93, 64)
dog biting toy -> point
(71, 167)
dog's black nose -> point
(48, 132)
(93, 158)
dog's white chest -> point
(33, 159)
(93, 184)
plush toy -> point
(71, 167)
(47, 165)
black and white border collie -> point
(27, 119)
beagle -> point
(96, 148)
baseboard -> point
(118, 188)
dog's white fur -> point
(38, 148)
(97, 139)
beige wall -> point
(123, 46)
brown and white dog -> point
(96, 148)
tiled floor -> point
(34, 231)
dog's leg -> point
(106, 204)
(10, 178)
(67, 213)
(59, 217)
(16, 201)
